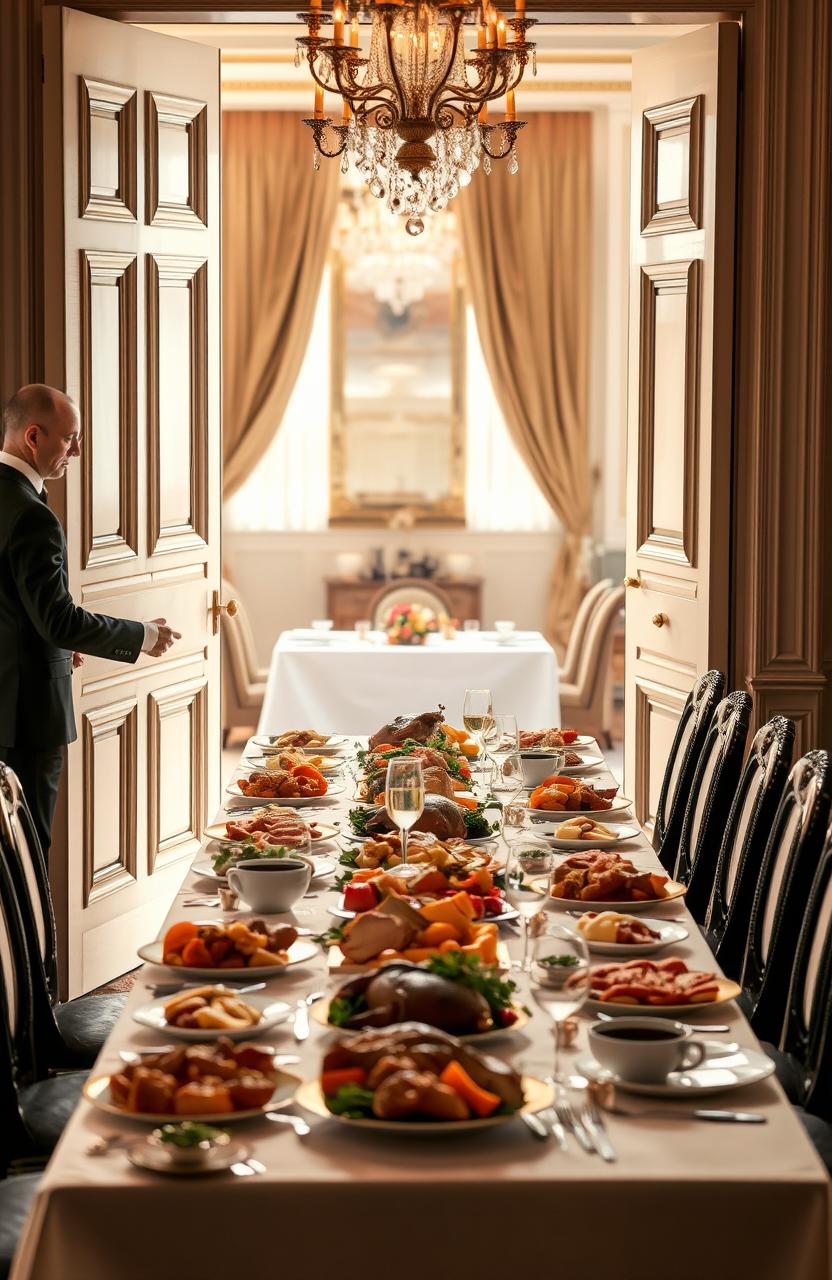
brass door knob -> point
(631, 582)
(230, 609)
(660, 619)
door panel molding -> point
(182, 530)
(168, 839)
(101, 270)
(669, 124)
(113, 105)
(149, 672)
(659, 280)
(651, 700)
(120, 721)
(167, 207)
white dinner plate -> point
(587, 762)
(324, 866)
(272, 1013)
(291, 802)
(331, 764)
(622, 833)
(669, 932)
(477, 842)
(673, 891)
(97, 1092)
(217, 831)
(582, 740)
(320, 1012)
(508, 913)
(300, 952)
(265, 742)
(156, 1159)
(728, 991)
(620, 809)
(538, 1097)
(719, 1072)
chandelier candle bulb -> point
(338, 16)
(480, 37)
(354, 34)
(511, 113)
(501, 33)
(319, 102)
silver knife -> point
(741, 1117)
(535, 1126)
(558, 1131)
(597, 1132)
(301, 1023)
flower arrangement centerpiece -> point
(409, 623)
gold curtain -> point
(277, 221)
(527, 250)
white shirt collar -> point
(34, 477)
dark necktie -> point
(44, 496)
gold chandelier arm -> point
(436, 96)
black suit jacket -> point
(40, 626)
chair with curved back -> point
(709, 803)
(406, 591)
(69, 1034)
(787, 871)
(243, 678)
(577, 634)
(743, 843)
(685, 751)
(586, 702)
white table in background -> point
(346, 685)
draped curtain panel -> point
(278, 214)
(527, 239)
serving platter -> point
(538, 1097)
(320, 1012)
(291, 802)
(324, 866)
(97, 1092)
(272, 1013)
(300, 952)
(587, 762)
(669, 931)
(507, 914)
(338, 963)
(719, 1073)
(476, 841)
(329, 764)
(728, 991)
(582, 740)
(673, 891)
(622, 834)
(217, 831)
(265, 741)
(620, 808)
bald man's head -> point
(42, 426)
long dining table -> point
(684, 1197)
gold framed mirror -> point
(397, 382)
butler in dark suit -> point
(42, 632)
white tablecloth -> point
(347, 685)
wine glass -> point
(528, 867)
(477, 714)
(560, 977)
(501, 737)
(404, 800)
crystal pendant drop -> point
(316, 163)
(345, 161)
(486, 164)
(414, 226)
(513, 166)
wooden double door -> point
(131, 169)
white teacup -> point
(644, 1050)
(271, 885)
(504, 627)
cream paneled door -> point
(684, 105)
(132, 331)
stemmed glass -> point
(477, 716)
(560, 978)
(526, 877)
(500, 737)
(404, 800)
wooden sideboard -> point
(348, 600)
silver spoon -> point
(708, 1028)
(247, 1168)
(300, 1127)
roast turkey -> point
(418, 728)
(403, 992)
(441, 817)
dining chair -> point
(586, 703)
(16, 1196)
(709, 801)
(685, 751)
(743, 843)
(804, 1054)
(70, 1034)
(787, 871)
(34, 1106)
(577, 634)
(420, 591)
(243, 678)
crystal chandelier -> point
(415, 108)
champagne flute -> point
(526, 877)
(560, 978)
(404, 800)
(477, 715)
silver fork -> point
(594, 1122)
(247, 1168)
(568, 1118)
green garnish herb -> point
(331, 937)
(353, 1101)
(477, 825)
(560, 962)
(342, 1008)
(190, 1133)
(359, 819)
(467, 970)
(245, 850)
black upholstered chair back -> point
(681, 764)
(16, 1034)
(709, 803)
(782, 893)
(742, 846)
(20, 847)
(808, 1031)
